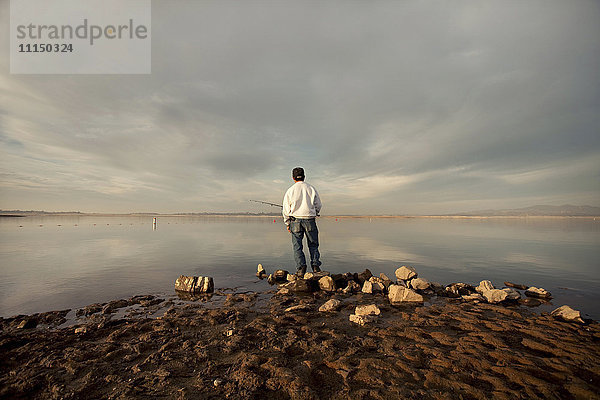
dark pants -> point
(299, 227)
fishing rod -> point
(266, 202)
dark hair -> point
(298, 174)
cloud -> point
(391, 107)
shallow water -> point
(58, 262)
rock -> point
(512, 294)
(316, 275)
(405, 273)
(260, 272)
(299, 307)
(218, 382)
(280, 276)
(419, 284)
(484, 286)
(340, 280)
(27, 324)
(330, 305)
(567, 314)
(284, 291)
(364, 276)
(530, 302)
(540, 293)
(271, 279)
(386, 281)
(362, 319)
(367, 287)
(81, 329)
(516, 285)
(401, 294)
(326, 284)
(378, 285)
(495, 296)
(459, 289)
(473, 297)
(291, 277)
(298, 286)
(195, 284)
(370, 309)
(351, 287)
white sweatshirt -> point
(301, 201)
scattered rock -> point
(370, 309)
(81, 329)
(530, 302)
(315, 275)
(459, 289)
(512, 294)
(516, 285)
(495, 296)
(377, 283)
(367, 287)
(299, 307)
(400, 294)
(284, 291)
(326, 284)
(484, 286)
(340, 280)
(260, 272)
(280, 276)
(386, 281)
(540, 293)
(330, 305)
(194, 284)
(364, 276)
(419, 284)
(291, 277)
(298, 286)
(218, 382)
(362, 319)
(566, 313)
(473, 297)
(405, 273)
(352, 287)
(27, 324)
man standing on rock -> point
(301, 204)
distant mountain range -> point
(566, 210)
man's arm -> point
(317, 202)
(286, 209)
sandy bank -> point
(249, 346)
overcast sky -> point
(398, 107)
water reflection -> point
(64, 262)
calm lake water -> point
(58, 262)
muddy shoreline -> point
(247, 346)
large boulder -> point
(566, 313)
(405, 273)
(385, 279)
(401, 294)
(194, 284)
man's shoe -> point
(316, 268)
(301, 271)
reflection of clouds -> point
(526, 258)
(368, 248)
